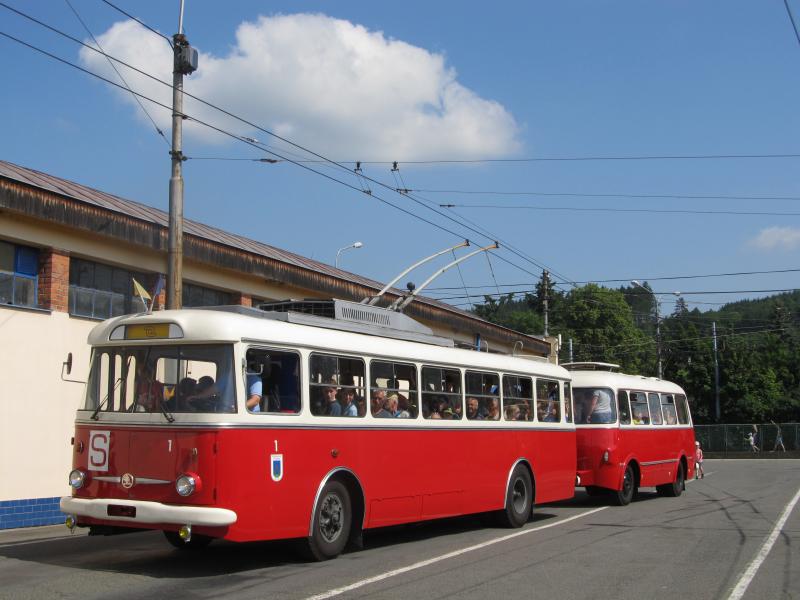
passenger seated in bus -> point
(149, 391)
(404, 409)
(377, 401)
(670, 418)
(512, 412)
(492, 409)
(639, 417)
(184, 392)
(389, 409)
(204, 396)
(349, 408)
(473, 412)
(600, 410)
(331, 405)
(551, 415)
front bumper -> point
(148, 512)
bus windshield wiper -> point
(95, 415)
(167, 415)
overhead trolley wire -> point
(257, 144)
(113, 66)
(142, 23)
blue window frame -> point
(19, 275)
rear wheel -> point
(625, 495)
(198, 542)
(674, 489)
(331, 525)
(519, 498)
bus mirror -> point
(67, 366)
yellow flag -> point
(140, 291)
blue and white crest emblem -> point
(276, 466)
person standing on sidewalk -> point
(778, 438)
(698, 462)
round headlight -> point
(185, 485)
(77, 478)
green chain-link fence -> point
(734, 438)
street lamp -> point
(658, 324)
(353, 245)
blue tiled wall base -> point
(30, 513)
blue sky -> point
(414, 80)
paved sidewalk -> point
(32, 534)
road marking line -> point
(430, 561)
(753, 567)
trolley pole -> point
(184, 63)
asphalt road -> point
(699, 545)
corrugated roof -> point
(143, 212)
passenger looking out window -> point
(517, 398)
(441, 393)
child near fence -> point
(698, 462)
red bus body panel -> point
(406, 474)
(655, 451)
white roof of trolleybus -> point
(623, 381)
(203, 326)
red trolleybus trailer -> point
(312, 420)
(631, 431)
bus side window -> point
(345, 377)
(548, 401)
(624, 410)
(518, 398)
(441, 392)
(655, 409)
(485, 388)
(668, 408)
(398, 383)
(567, 402)
(683, 409)
(639, 410)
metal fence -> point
(734, 438)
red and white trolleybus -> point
(314, 420)
(632, 432)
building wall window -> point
(19, 269)
(197, 295)
(102, 291)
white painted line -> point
(752, 568)
(436, 559)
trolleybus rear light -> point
(605, 456)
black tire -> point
(331, 524)
(674, 489)
(624, 496)
(198, 542)
(594, 491)
(519, 498)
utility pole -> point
(184, 63)
(546, 284)
(716, 371)
(570, 349)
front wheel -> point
(331, 526)
(519, 498)
(674, 489)
(625, 495)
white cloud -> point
(329, 84)
(777, 238)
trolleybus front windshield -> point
(162, 379)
